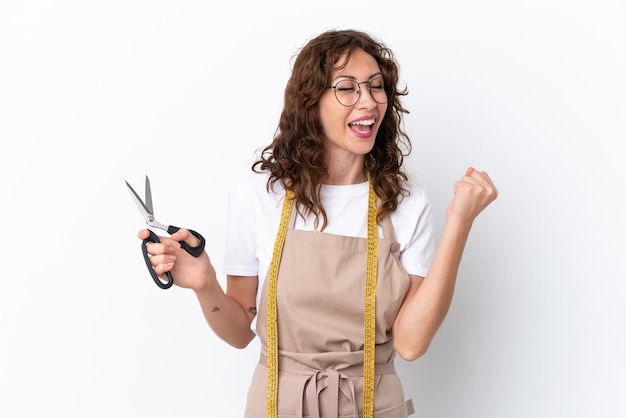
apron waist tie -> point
(331, 379)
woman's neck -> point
(353, 175)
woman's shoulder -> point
(252, 187)
(413, 204)
(415, 192)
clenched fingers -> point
(472, 193)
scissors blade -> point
(149, 197)
(142, 207)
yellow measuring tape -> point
(272, 320)
(369, 314)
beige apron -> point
(320, 293)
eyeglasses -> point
(348, 92)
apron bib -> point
(320, 302)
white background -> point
(95, 93)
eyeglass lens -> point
(348, 91)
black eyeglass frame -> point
(358, 92)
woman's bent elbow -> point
(239, 341)
(411, 352)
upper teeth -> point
(364, 122)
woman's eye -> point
(346, 86)
(377, 84)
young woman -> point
(332, 243)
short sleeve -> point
(413, 224)
(240, 246)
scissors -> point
(148, 213)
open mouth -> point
(363, 126)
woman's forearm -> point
(226, 317)
(428, 300)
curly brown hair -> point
(296, 155)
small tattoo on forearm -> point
(216, 309)
(252, 310)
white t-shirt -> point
(254, 216)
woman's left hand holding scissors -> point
(168, 256)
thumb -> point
(184, 234)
